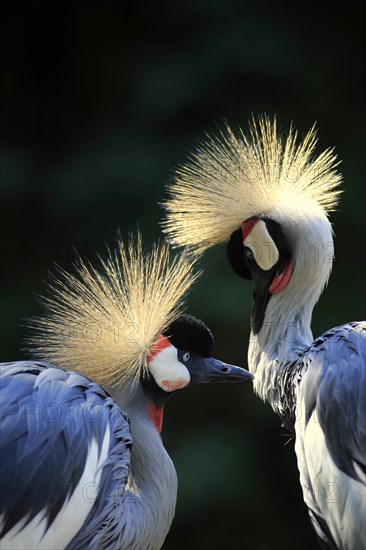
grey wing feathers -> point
(48, 418)
(102, 527)
(341, 406)
(334, 396)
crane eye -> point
(186, 356)
(249, 254)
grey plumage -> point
(340, 402)
(49, 416)
(332, 394)
(326, 387)
(63, 435)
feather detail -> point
(105, 323)
(229, 179)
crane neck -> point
(274, 353)
(150, 497)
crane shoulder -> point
(334, 387)
(64, 449)
(331, 435)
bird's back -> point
(64, 458)
(331, 435)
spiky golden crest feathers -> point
(230, 179)
(104, 323)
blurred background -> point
(97, 108)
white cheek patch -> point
(262, 245)
(169, 373)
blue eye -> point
(186, 357)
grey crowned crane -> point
(82, 462)
(269, 197)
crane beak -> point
(205, 370)
(267, 283)
(261, 298)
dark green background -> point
(97, 107)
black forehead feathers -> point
(191, 334)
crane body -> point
(319, 392)
(82, 461)
(269, 197)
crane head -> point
(269, 197)
(183, 356)
(288, 259)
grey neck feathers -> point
(148, 504)
(274, 353)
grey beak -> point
(205, 370)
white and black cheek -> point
(259, 251)
(258, 248)
(168, 372)
(261, 245)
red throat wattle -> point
(156, 416)
(281, 280)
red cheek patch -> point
(174, 385)
(161, 343)
(246, 227)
